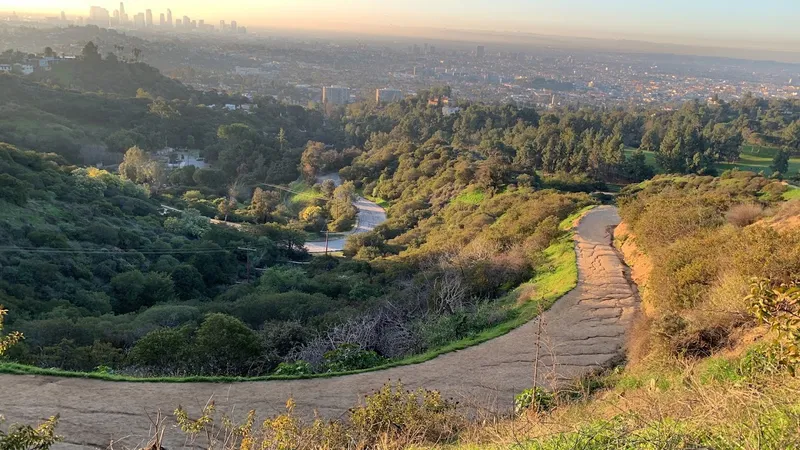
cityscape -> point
(123, 19)
(366, 224)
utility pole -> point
(326, 242)
(247, 251)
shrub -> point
(296, 368)
(223, 344)
(534, 399)
(779, 307)
(405, 417)
(744, 214)
(348, 357)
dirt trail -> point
(583, 331)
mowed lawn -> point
(753, 158)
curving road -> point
(370, 215)
(583, 331)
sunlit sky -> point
(773, 23)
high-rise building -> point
(222, 25)
(169, 18)
(139, 21)
(481, 51)
(148, 18)
(123, 16)
(63, 17)
(233, 26)
(334, 95)
(162, 20)
(187, 22)
(178, 23)
(388, 95)
(98, 16)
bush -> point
(225, 345)
(744, 214)
(348, 357)
(405, 417)
(534, 399)
(296, 368)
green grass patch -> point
(792, 194)
(753, 158)
(471, 197)
(546, 288)
(304, 193)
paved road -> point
(370, 215)
(584, 330)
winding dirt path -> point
(583, 331)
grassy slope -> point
(549, 287)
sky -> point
(770, 24)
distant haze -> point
(766, 25)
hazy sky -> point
(772, 23)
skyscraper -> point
(138, 20)
(481, 52)
(162, 20)
(233, 26)
(187, 22)
(98, 16)
(123, 17)
(222, 25)
(149, 18)
(169, 18)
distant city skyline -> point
(768, 24)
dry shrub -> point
(744, 214)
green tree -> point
(780, 162)
(791, 135)
(188, 282)
(134, 290)
(90, 53)
(263, 204)
(224, 344)
(164, 348)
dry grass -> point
(744, 214)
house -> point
(449, 111)
(5, 67)
(25, 69)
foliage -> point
(349, 357)
(536, 399)
(779, 308)
(23, 437)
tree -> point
(164, 349)
(791, 135)
(90, 53)
(14, 190)
(188, 282)
(780, 162)
(48, 52)
(224, 344)
(263, 204)
(636, 167)
(166, 112)
(134, 290)
(311, 160)
(137, 166)
(651, 141)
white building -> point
(449, 111)
(335, 95)
(25, 69)
(388, 95)
(5, 67)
